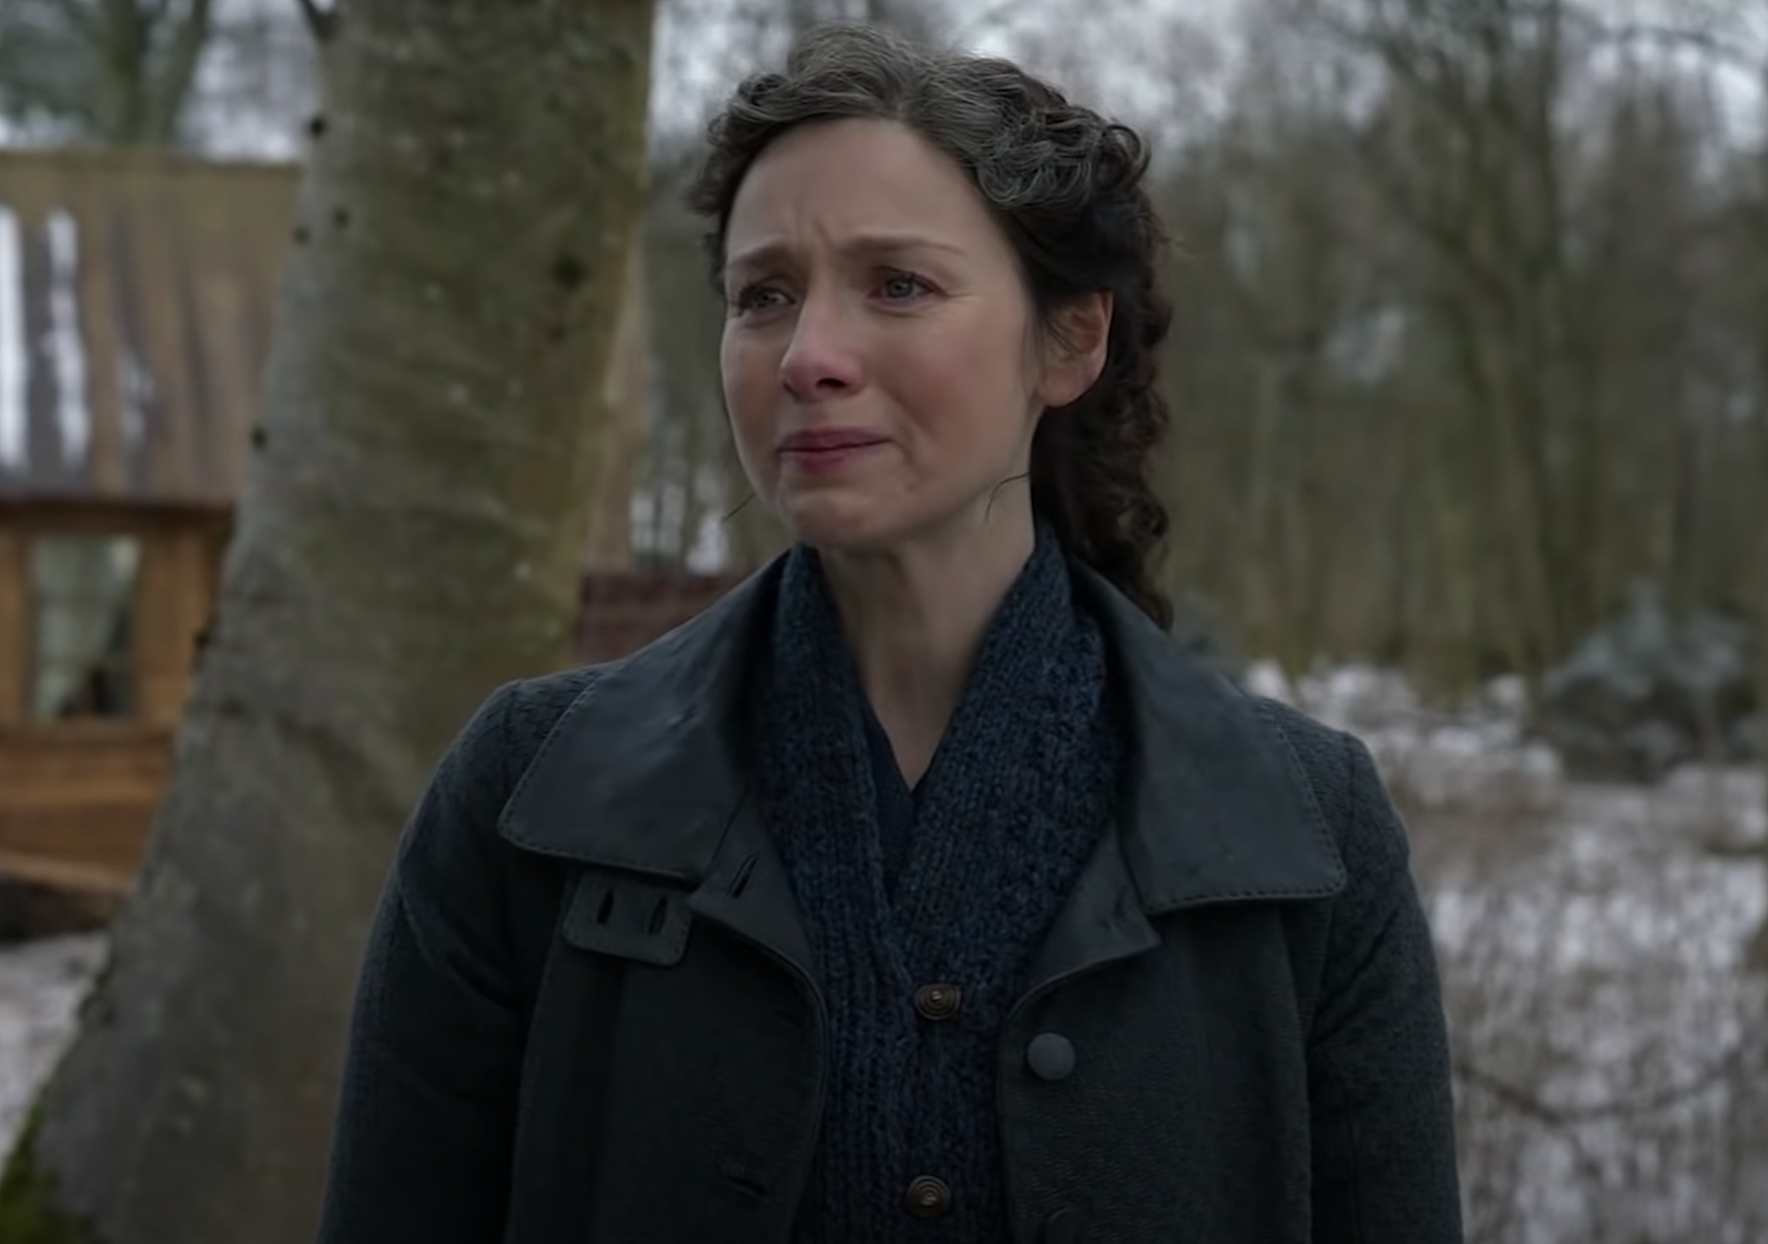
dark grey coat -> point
(586, 1015)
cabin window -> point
(82, 592)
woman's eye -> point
(903, 285)
(755, 298)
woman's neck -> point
(914, 617)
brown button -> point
(938, 1001)
(928, 1197)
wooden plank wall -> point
(176, 262)
(12, 627)
(75, 805)
(177, 583)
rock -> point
(1649, 691)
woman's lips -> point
(827, 449)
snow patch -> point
(67, 347)
(14, 351)
(1473, 753)
(42, 984)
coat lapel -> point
(746, 890)
(644, 774)
(1217, 809)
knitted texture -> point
(1019, 791)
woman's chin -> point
(841, 524)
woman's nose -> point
(822, 357)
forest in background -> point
(1472, 332)
(1472, 342)
(1472, 337)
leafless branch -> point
(322, 22)
(1528, 1102)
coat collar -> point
(1221, 809)
(641, 771)
(642, 774)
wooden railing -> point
(76, 801)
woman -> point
(923, 889)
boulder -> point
(1649, 691)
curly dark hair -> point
(1066, 187)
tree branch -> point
(1527, 1101)
(169, 91)
(322, 23)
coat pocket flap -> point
(628, 917)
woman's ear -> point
(1078, 342)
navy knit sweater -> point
(951, 884)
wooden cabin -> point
(136, 293)
(135, 303)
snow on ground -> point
(1614, 1049)
(41, 986)
(1476, 752)
(1613, 1057)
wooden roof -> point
(136, 292)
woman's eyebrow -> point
(773, 253)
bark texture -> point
(410, 536)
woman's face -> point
(878, 357)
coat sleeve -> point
(1384, 1169)
(427, 1105)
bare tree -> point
(113, 71)
(626, 398)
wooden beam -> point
(14, 628)
(65, 875)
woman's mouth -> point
(827, 449)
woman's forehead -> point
(868, 189)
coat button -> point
(1061, 1227)
(928, 1197)
(937, 1002)
(1050, 1056)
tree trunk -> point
(410, 536)
(1756, 956)
(627, 398)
